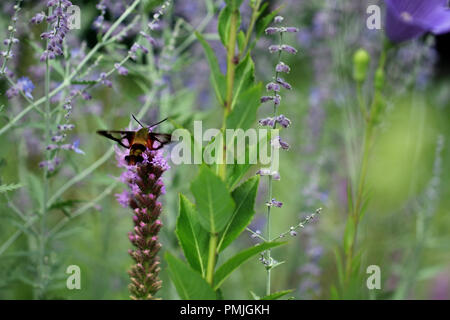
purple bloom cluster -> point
(145, 186)
(58, 21)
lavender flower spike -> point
(409, 19)
(145, 184)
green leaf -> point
(214, 202)
(65, 204)
(192, 237)
(334, 293)
(244, 78)
(36, 189)
(236, 172)
(234, 3)
(244, 114)
(233, 263)
(244, 199)
(223, 25)
(217, 78)
(349, 235)
(339, 266)
(9, 187)
(189, 283)
(277, 295)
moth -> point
(138, 141)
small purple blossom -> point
(278, 19)
(272, 86)
(266, 99)
(120, 69)
(267, 122)
(278, 143)
(275, 203)
(276, 100)
(288, 49)
(284, 84)
(282, 67)
(38, 18)
(291, 29)
(274, 48)
(272, 30)
(25, 85)
(283, 121)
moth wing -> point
(161, 138)
(124, 138)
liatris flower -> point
(409, 19)
(146, 185)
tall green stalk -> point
(370, 117)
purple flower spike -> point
(144, 181)
(409, 19)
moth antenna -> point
(137, 121)
(155, 124)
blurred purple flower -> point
(409, 19)
(25, 85)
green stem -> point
(211, 258)
(253, 19)
(45, 182)
(231, 68)
(369, 118)
(231, 60)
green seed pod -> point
(361, 60)
(379, 79)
